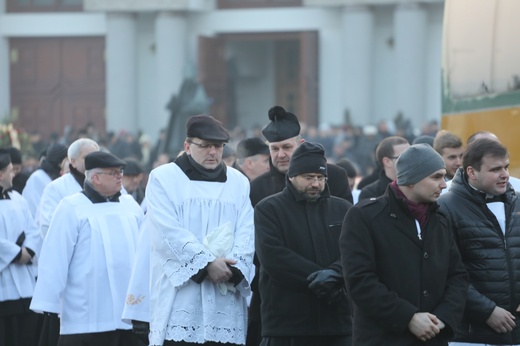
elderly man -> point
(87, 258)
(202, 242)
(252, 157)
(297, 230)
(67, 184)
(400, 260)
(20, 243)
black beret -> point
(206, 127)
(308, 158)
(133, 167)
(16, 155)
(5, 158)
(424, 139)
(56, 153)
(283, 125)
(101, 159)
(228, 152)
(251, 147)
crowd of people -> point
(286, 237)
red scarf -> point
(420, 211)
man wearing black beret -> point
(283, 134)
(87, 258)
(296, 236)
(134, 174)
(20, 244)
(252, 157)
(201, 231)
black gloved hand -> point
(323, 282)
(237, 275)
(141, 329)
(336, 296)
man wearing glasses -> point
(201, 231)
(387, 153)
(297, 230)
(87, 258)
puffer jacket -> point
(492, 259)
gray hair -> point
(75, 148)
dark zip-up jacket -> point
(491, 258)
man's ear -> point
(470, 172)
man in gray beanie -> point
(296, 237)
(400, 260)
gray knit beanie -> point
(416, 163)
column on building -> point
(410, 23)
(4, 76)
(121, 65)
(358, 27)
(170, 43)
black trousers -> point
(336, 340)
(112, 338)
(19, 330)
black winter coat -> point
(391, 274)
(492, 259)
(295, 238)
(376, 188)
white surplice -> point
(17, 280)
(86, 263)
(181, 213)
(53, 193)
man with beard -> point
(401, 264)
(484, 211)
(297, 230)
(283, 135)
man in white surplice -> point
(87, 258)
(199, 294)
(20, 244)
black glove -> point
(336, 296)
(141, 329)
(323, 282)
(237, 275)
(200, 276)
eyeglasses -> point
(112, 173)
(393, 157)
(310, 178)
(208, 145)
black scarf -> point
(194, 171)
(78, 176)
(4, 194)
(96, 197)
